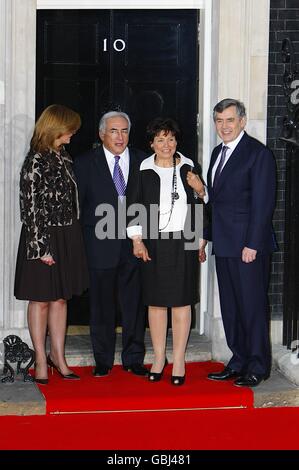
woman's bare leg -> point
(181, 322)
(157, 318)
(37, 323)
(57, 329)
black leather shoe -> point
(100, 370)
(226, 374)
(249, 380)
(137, 369)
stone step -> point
(21, 398)
(276, 391)
(79, 349)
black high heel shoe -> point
(156, 376)
(70, 376)
(40, 381)
(178, 379)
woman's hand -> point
(140, 250)
(195, 182)
(47, 259)
(202, 251)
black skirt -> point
(171, 278)
(36, 281)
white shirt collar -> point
(110, 156)
(233, 144)
(149, 163)
(124, 161)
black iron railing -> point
(290, 135)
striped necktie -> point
(118, 177)
(220, 165)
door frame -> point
(207, 92)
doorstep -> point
(21, 398)
(79, 349)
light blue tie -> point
(118, 177)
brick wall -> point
(284, 22)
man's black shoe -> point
(226, 374)
(137, 369)
(100, 370)
(249, 380)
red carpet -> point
(246, 429)
(123, 391)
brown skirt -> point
(36, 281)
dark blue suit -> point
(241, 216)
(114, 271)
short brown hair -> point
(54, 121)
(227, 103)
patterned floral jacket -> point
(48, 193)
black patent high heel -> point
(178, 379)
(40, 381)
(157, 376)
(70, 376)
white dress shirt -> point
(124, 162)
(231, 147)
(179, 212)
(176, 222)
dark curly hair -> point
(162, 124)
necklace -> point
(174, 194)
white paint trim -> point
(206, 81)
(119, 4)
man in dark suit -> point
(241, 188)
(104, 176)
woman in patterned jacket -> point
(51, 265)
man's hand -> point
(140, 250)
(248, 255)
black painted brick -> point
(290, 4)
(285, 14)
(278, 4)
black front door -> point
(144, 62)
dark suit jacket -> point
(243, 202)
(95, 186)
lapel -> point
(106, 177)
(103, 169)
(214, 156)
(133, 169)
(233, 160)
